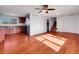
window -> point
(8, 21)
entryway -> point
(51, 24)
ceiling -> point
(22, 10)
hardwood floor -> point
(23, 44)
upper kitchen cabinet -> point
(22, 19)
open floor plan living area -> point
(39, 29)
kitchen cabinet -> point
(2, 34)
(22, 19)
(13, 30)
(9, 30)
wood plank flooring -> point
(23, 44)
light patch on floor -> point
(52, 45)
(49, 35)
(56, 36)
(52, 41)
(39, 39)
(55, 40)
(62, 38)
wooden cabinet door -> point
(2, 34)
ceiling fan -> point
(45, 9)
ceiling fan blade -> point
(51, 9)
(38, 8)
(39, 11)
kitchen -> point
(13, 25)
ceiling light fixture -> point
(44, 11)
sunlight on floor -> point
(52, 41)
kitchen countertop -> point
(12, 24)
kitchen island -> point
(6, 29)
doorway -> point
(47, 25)
(51, 24)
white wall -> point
(68, 24)
(37, 24)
